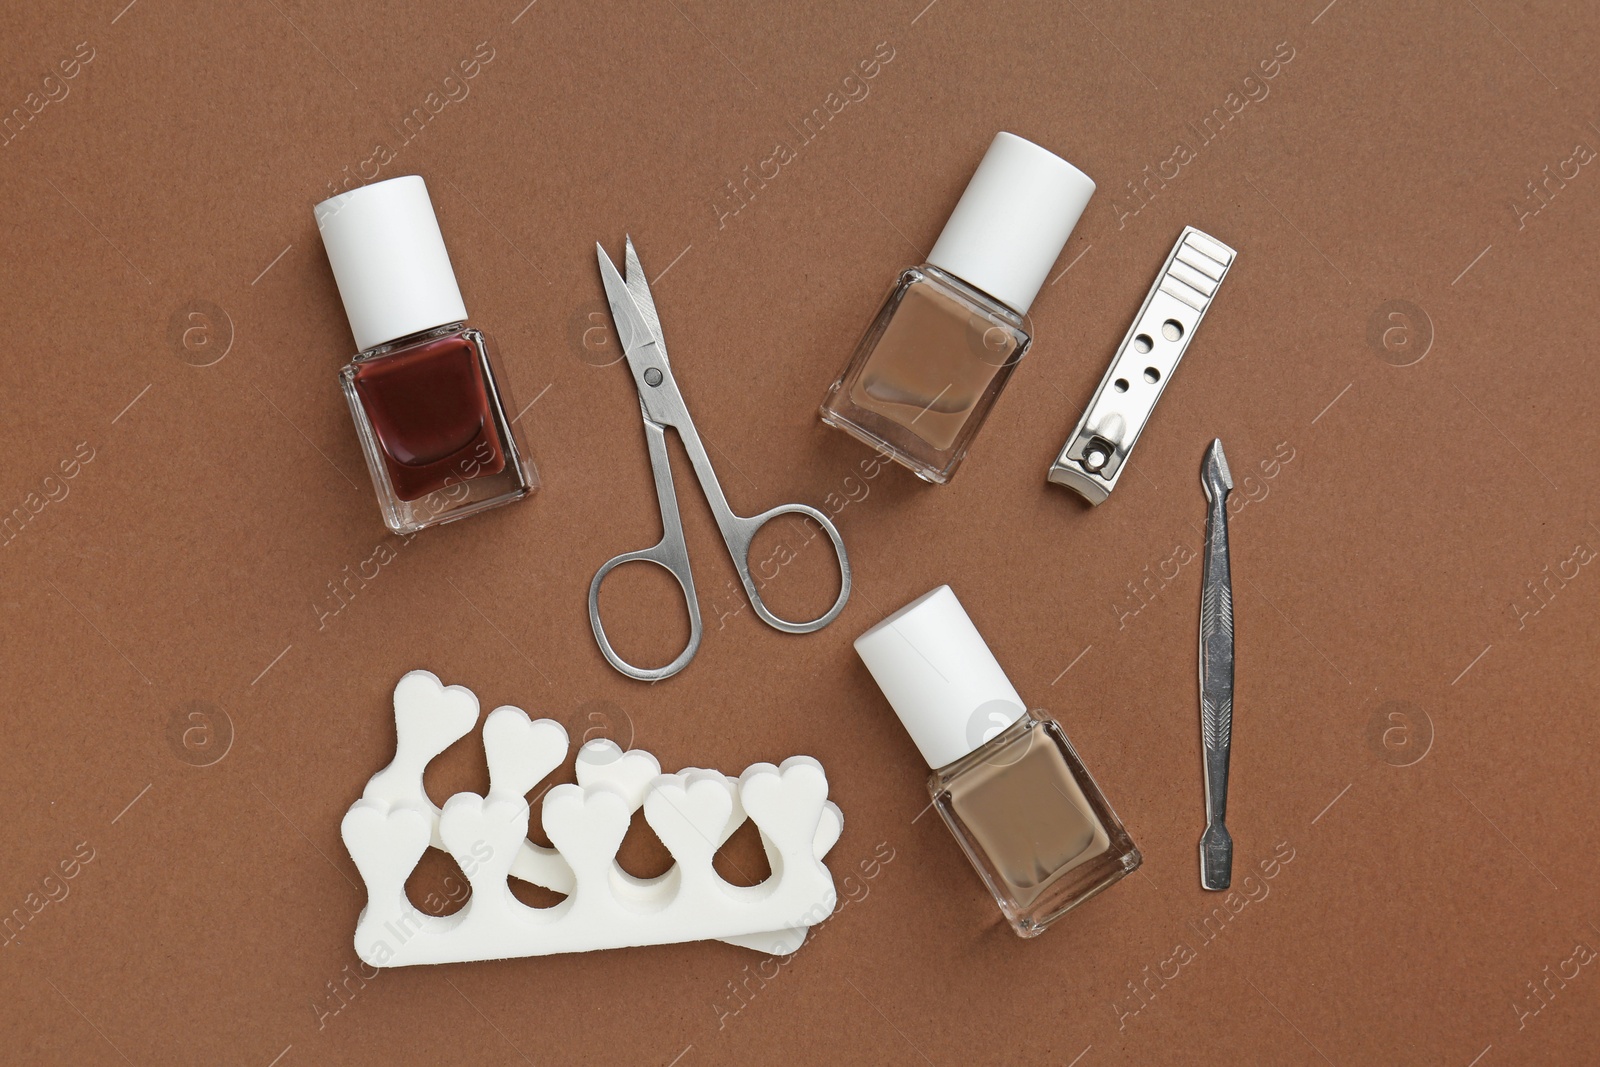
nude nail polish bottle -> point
(429, 406)
(1007, 781)
(950, 334)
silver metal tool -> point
(1094, 455)
(1216, 671)
(633, 310)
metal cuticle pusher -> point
(1216, 671)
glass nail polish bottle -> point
(428, 405)
(951, 332)
(1006, 780)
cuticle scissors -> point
(633, 310)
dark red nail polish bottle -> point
(429, 408)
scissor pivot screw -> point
(652, 376)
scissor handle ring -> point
(747, 528)
(662, 557)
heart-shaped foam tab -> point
(586, 824)
(689, 812)
(786, 802)
(385, 842)
(484, 835)
(736, 815)
(429, 716)
(520, 751)
(603, 762)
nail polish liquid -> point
(930, 367)
(431, 410)
(428, 404)
(1033, 822)
(1008, 783)
(951, 332)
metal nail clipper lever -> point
(1216, 671)
(633, 310)
(1095, 454)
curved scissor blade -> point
(633, 327)
(639, 333)
(639, 286)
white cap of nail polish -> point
(1011, 224)
(940, 677)
(388, 257)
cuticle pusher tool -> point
(1216, 670)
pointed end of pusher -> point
(1214, 473)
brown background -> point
(1441, 859)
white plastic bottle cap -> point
(940, 677)
(388, 257)
(1013, 220)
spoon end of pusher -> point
(1216, 857)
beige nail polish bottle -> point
(951, 332)
(1006, 780)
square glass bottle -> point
(431, 415)
(1033, 822)
(429, 407)
(1007, 782)
(928, 370)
